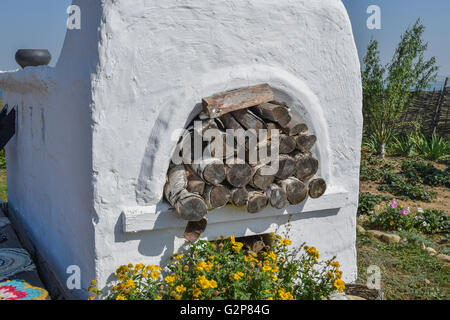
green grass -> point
(3, 188)
(407, 272)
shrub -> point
(225, 270)
(432, 221)
(394, 217)
(2, 160)
(432, 148)
(397, 185)
(368, 201)
(419, 171)
(402, 146)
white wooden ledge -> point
(162, 216)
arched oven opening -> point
(246, 149)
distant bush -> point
(432, 148)
(397, 185)
(394, 217)
(2, 160)
(432, 221)
(419, 171)
(402, 146)
(368, 201)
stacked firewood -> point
(195, 187)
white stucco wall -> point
(168, 56)
(132, 75)
(49, 160)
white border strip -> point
(147, 218)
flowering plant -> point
(226, 269)
(394, 217)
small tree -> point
(387, 96)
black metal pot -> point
(33, 57)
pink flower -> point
(393, 204)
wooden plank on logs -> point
(222, 103)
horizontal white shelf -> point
(162, 216)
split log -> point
(220, 104)
(194, 230)
(195, 184)
(176, 182)
(230, 122)
(221, 146)
(305, 142)
(296, 191)
(272, 128)
(249, 120)
(307, 166)
(190, 206)
(277, 196)
(201, 126)
(239, 196)
(286, 166)
(260, 179)
(273, 112)
(294, 127)
(257, 246)
(211, 170)
(239, 174)
(287, 143)
(216, 196)
(317, 188)
(257, 201)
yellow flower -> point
(93, 283)
(213, 284)
(169, 279)
(335, 264)
(285, 295)
(211, 257)
(158, 298)
(269, 298)
(200, 266)
(115, 288)
(130, 284)
(91, 298)
(232, 239)
(209, 266)
(266, 268)
(272, 256)
(237, 246)
(139, 266)
(339, 284)
(196, 292)
(238, 275)
(121, 297)
(338, 274)
(155, 274)
(286, 242)
(180, 289)
(179, 256)
(177, 297)
(274, 278)
(145, 274)
(391, 223)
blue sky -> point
(42, 24)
